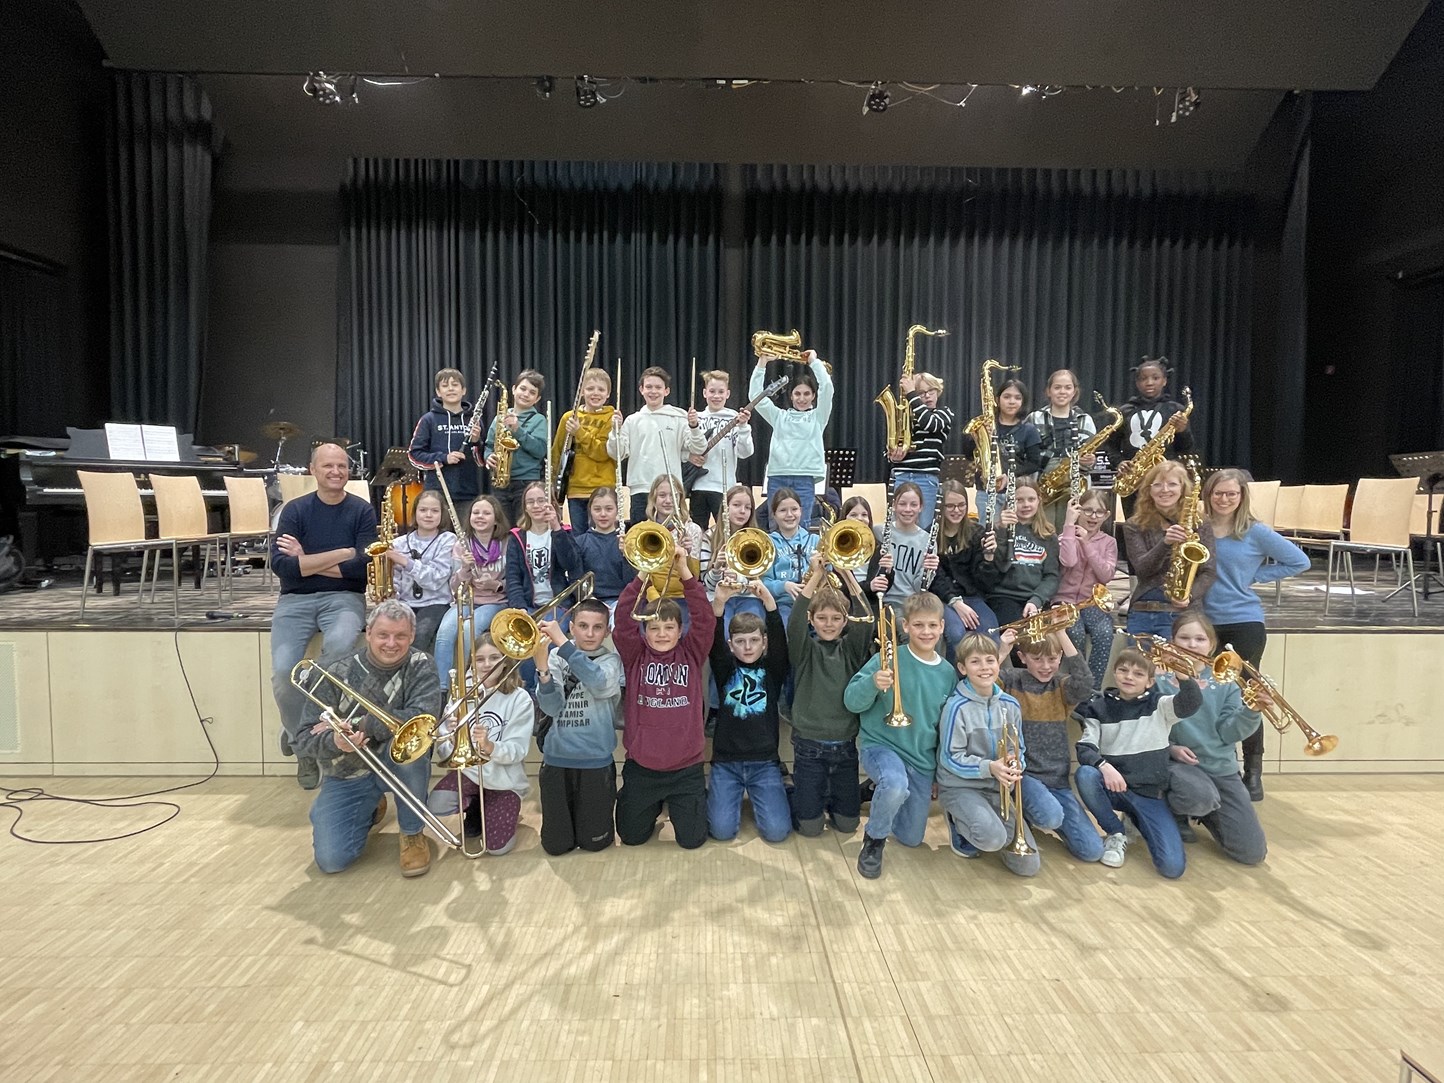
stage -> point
(109, 697)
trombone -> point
(410, 741)
(1010, 798)
(648, 547)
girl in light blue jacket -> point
(795, 457)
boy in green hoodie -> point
(901, 760)
(528, 425)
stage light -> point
(544, 86)
(331, 89)
(878, 99)
(587, 95)
(1185, 101)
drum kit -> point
(396, 468)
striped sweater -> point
(1046, 708)
(1132, 734)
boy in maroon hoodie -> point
(663, 705)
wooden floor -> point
(212, 949)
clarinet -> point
(1010, 496)
(932, 549)
(1075, 469)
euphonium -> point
(1040, 625)
(1058, 481)
(748, 553)
(505, 444)
(1130, 474)
(1190, 554)
(984, 429)
(380, 584)
(896, 410)
(1010, 798)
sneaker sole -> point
(411, 874)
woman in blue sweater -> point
(1245, 552)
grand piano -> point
(43, 506)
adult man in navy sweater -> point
(319, 556)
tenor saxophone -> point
(897, 410)
(505, 444)
(1190, 554)
(1130, 474)
(984, 429)
(380, 583)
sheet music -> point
(162, 443)
(124, 441)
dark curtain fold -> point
(32, 338)
(1044, 269)
(162, 149)
(469, 264)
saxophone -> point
(1065, 479)
(1130, 474)
(1190, 554)
(984, 430)
(380, 584)
(505, 444)
(896, 409)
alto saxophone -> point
(505, 444)
(1130, 474)
(1065, 479)
(380, 584)
(1190, 554)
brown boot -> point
(415, 855)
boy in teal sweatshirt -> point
(901, 760)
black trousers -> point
(704, 504)
(637, 509)
(577, 805)
(1249, 640)
(510, 497)
(644, 792)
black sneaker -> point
(866, 788)
(957, 843)
(1185, 829)
(308, 773)
(471, 822)
(869, 861)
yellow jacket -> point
(591, 465)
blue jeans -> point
(901, 800)
(1155, 624)
(801, 484)
(577, 509)
(341, 814)
(748, 604)
(1059, 810)
(928, 483)
(1097, 627)
(1151, 815)
(824, 779)
(447, 631)
(338, 615)
(954, 630)
(973, 816)
(761, 782)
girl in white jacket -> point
(795, 458)
(502, 731)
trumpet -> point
(1182, 662)
(1010, 798)
(887, 652)
(410, 741)
(1259, 693)
(1042, 624)
(848, 545)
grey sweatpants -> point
(1221, 803)
(975, 814)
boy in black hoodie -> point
(445, 439)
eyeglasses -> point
(1094, 511)
(1224, 494)
(955, 506)
(536, 501)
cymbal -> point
(244, 455)
(280, 430)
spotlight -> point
(878, 99)
(544, 86)
(1026, 89)
(587, 95)
(1185, 101)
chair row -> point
(117, 525)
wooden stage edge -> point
(115, 702)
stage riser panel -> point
(115, 703)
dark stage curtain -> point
(466, 264)
(32, 313)
(162, 149)
(1044, 269)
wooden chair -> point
(250, 520)
(1263, 499)
(116, 523)
(182, 522)
(1379, 525)
(1286, 508)
(357, 487)
(294, 485)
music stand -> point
(1428, 467)
(841, 467)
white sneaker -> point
(1113, 848)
